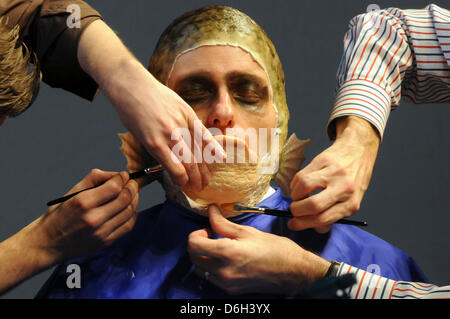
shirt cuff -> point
(368, 285)
(364, 99)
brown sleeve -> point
(44, 29)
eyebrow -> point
(236, 75)
(200, 78)
(204, 77)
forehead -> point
(215, 61)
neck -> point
(175, 193)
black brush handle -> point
(67, 197)
(287, 213)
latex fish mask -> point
(223, 26)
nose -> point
(221, 113)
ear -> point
(137, 158)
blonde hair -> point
(19, 72)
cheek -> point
(267, 119)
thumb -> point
(221, 225)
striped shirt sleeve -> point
(376, 57)
(371, 286)
(389, 54)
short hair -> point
(20, 75)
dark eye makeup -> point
(245, 89)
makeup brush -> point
(280, 213)
(134, 175)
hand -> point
(152, 112)
(342, 174)
(147, 108)
(92, 219)
(249, 260)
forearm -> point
(125, 81)
(22, 256)
(312, 268)
(105, 58)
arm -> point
(149, 109)
(87, 222)
(376, 58)
(248, 260)
(82, 59)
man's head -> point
(19, 82)
(230, 35)
(227, 69)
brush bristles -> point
(240, 208)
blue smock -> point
(152, 261)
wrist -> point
(36, 242)
(128, 87)
(357, 129)
(122, 75)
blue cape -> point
(152, 262)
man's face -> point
(225, 87)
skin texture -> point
(225, 87)
(248, 260)
(87, 222)
(343, 172)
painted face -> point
(227, 89)
(225, 27)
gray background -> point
(56, 143)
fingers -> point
(320, 221)
(192, 167)
(182, 154)
(317, 203)
(205, 175)
(200, 245)
(94, 178)
(118, 211)
(341, 175)
(173, 166)
(101, 194)
(305, 183)
(123, 229)
(223, 226)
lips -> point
(233, 180)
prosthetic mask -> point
(224, 26)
